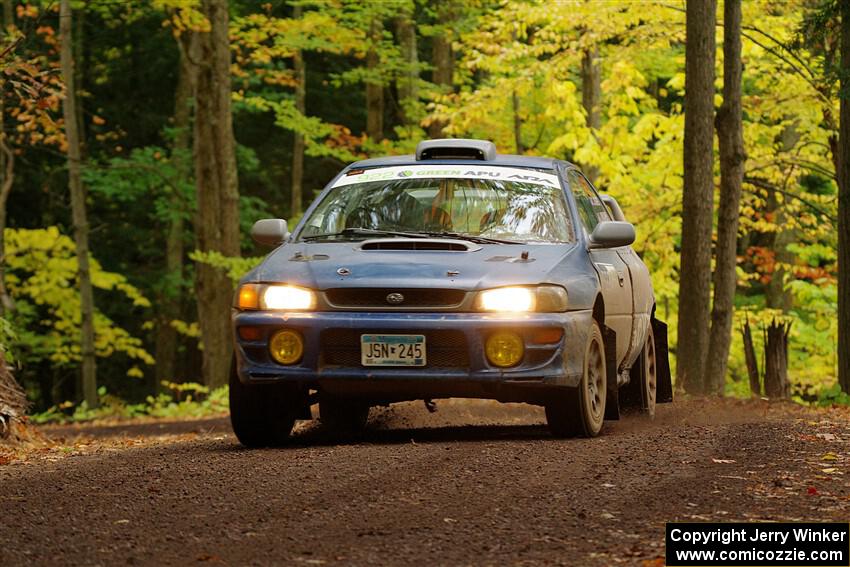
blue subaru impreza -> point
(454, 272)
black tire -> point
(342, 415)
(581, 411)
(648, 375)
(262, 415)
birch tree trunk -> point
(732, 158)
(697, 197)
(217, 219)
(78, 209)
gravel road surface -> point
(476, 483)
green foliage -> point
(833, 396)
(234, 267)
(181, 401)
(41, 277)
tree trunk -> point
(776, 360)
(7, 175)
(13, 401)
(591, 97)
(7, 178)
(408, 83)
(171, 300)
(78, 55)
(217, 219)
(697, 197)
(732, 157)
(78, 210)
(844, 207)
(443, 74)
(374, 86)
(296, 204)
(777, 294)
(752, 361)
(518, 147)
(8, 14)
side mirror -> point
(612, 234)
(270, 232)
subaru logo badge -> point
(395, 299)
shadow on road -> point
(319, 436)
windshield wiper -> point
(469, 237)
(358, 231)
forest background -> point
(314, 84)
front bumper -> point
(463, 374)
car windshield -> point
(500, 209)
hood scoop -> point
(420, 244)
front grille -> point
(444, 349)
(359, 298)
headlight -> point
(544, 298)
(288, 298)
(277, 297)
(506, 299)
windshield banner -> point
(448, 171)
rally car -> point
(454, 272)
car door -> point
(613, 271)
(643, 298)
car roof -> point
(504, 160)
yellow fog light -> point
(286, 346)
(504, 349)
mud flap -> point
(612, 400)
(664, 387)
(304, 412)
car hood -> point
(324, 265)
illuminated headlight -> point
(276, 297)
(544, 298)
(288, 298)
(507, 299)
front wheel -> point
(263, 415)
(581, 410)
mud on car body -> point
(454, 272)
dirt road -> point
(473, 484)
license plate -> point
(392, 350)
